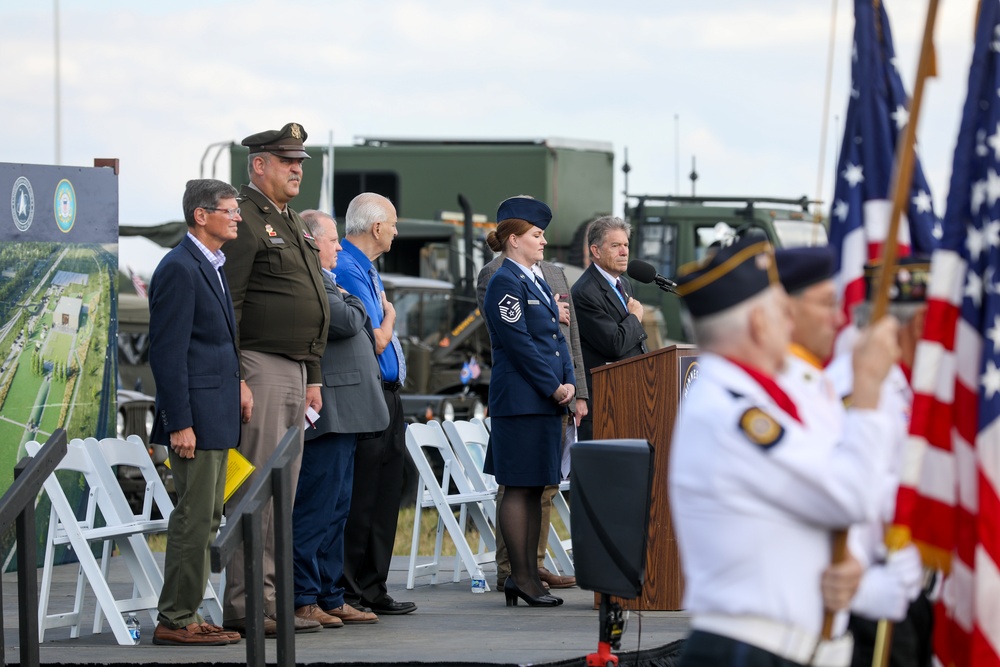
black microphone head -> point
(642, 271)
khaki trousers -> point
(279, 396)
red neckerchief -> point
(768, 384)
(907, 372)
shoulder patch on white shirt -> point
(761, 428)
(510, 308)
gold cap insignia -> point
(296, 131)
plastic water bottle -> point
(132, 623)
(479, 581)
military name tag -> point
(534, 302)
(277, 240)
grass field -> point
(10, 437)
(57, 347)
(21, 397)
(53, 406)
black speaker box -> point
(610, 484)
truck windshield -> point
(797, 233)
(422, 315)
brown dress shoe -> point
(312, 612)
(231, 635)
(352, 616)
(191, 635)
(239, 625)
(556, 580)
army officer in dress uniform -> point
(531, 385)
(755, 492)
(282, 315)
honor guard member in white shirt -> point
(807, 276)
(755, 493)
(891, 587)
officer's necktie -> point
(377, 283)
(543, 286)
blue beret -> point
(525, 208)
(909, 281)
(727, 278)
(799, 268)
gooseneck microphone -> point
(644, 272)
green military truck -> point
(669, 231)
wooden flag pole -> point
(902, 179)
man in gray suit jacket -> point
(556, 279)
(352, 404)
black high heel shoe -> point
(512, 593)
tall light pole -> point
(58, 96)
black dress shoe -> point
(391, 607)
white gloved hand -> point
(880, 595)
(887, 590)
(909, 569)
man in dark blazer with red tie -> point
(610, 318)
(195, 362)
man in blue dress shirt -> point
(378, 462)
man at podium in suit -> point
(755, 490)
(610, 318)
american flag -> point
(876, 114)
(137, 282)
(948, 497)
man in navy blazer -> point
(352, 403)
(610, 318)
(194, 359)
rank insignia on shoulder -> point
(510, 309)
(270, 230)
(761, 428)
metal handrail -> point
(17, 506)
(243, 527)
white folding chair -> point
(133, 452)
(475, 437)
(469, 442)
(434, 492)
(65, 528)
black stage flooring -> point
(452, 627)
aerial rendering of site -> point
(56, 352)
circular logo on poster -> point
(65, 205)
(689, 377)
(22, 203)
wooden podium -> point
(638, 398)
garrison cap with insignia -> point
(909, 282)
(286, 142)
(525, 208)
(801, 268)
(727, 278)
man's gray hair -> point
(251, 158)
(364, 211)
(204, 193)
(598, 229)
(720, 330)
(314, 220)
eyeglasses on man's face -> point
(231, 212)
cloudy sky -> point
(154, 83)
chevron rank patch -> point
(510, 309)
(761, 428)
